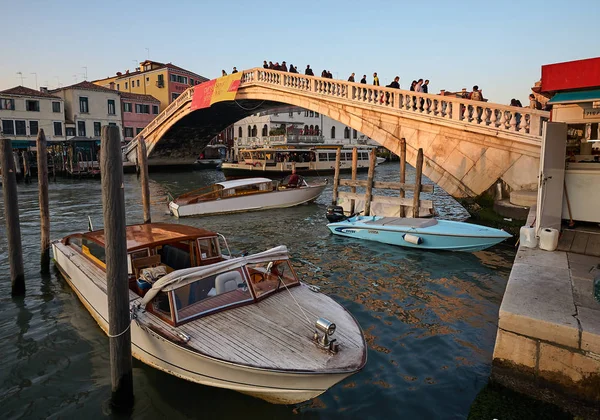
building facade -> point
(164, 82)
(137, 111)
(87, 108)
(24, 111)
(293, 125)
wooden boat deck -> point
(271, 334)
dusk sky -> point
(498, 45)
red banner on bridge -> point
(216, 90)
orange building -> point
(165, 82)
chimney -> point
(43, 89)
(112, 85)
(119, 73)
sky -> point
(498, 45)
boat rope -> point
(249, 109)
(132, 316)
(303, 313)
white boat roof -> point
(241, 182)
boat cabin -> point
(159, 259)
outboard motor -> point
(335, 214)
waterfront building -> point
(24, 111)
(138, 110)
(293, 125)
(87, 108)
(164, 82)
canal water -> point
(429, 317)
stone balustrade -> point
(500, 118)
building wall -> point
(136, 120)
(97, 106)
(45, 117)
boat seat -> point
(145, 262)
(175, 258)
(404, 221)
(227, 282)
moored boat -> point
(422, 233)
(241, 195)
(245, 324)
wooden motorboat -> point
(422, 233)
(242, 195)
(245, 324)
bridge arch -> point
(464, 154)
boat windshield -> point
(266, 277)
(211, 293)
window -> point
(173, 78)
(125, 85)
(269, 276)
(142, 109)
(70, 131)
(249, 131)
(191, 82)
(322, 157)
(354, 134)
(147, 80)
(317, 114)
(155, 109)
(81, 128)
(137, 82)
(316, 130)
(8, 127)
(97, 129)
(138, 131)
(58, 129)
(174, 96)
(8, 104)
(265, 130)
(291, 114)
(347, 133)
(161, 80)
(55, 106)
(331, 157)
(97, 252)
(33, 127)
(118, 87)
(333, 132)
(83, 105)
(306, 113)
(312, 114)
(21, 129)
(240, 132)
(111, 107)
(128, 132)
(32, 105)
(126, 106)
(112, 124)
(179, 79)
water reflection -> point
(429, 317)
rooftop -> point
(85, 85)
(138, 97)
(25, 91)
(155, 66)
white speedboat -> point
(245, 324)
(242, 195)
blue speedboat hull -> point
(420, 233)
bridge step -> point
(523, 198)
(505, 209)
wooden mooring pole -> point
(354, 171)
(42, 165)
(418, 175)
(402, 172)
(11, 216)
(113, 204)
(370, 176)
(336, 176)
(143, 166)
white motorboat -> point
(245, 324)
(242, 195)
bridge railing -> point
(497, 117)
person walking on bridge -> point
(351, 78)
(375, 80)
(364, 79)
(283, 67)
(476, 95)
(265, 65)
(293, 69)
(308, 71)
(234, 71)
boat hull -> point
(153, 349)
(252, 202)
(239, 170)
(445, 235)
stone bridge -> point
(468, 145)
